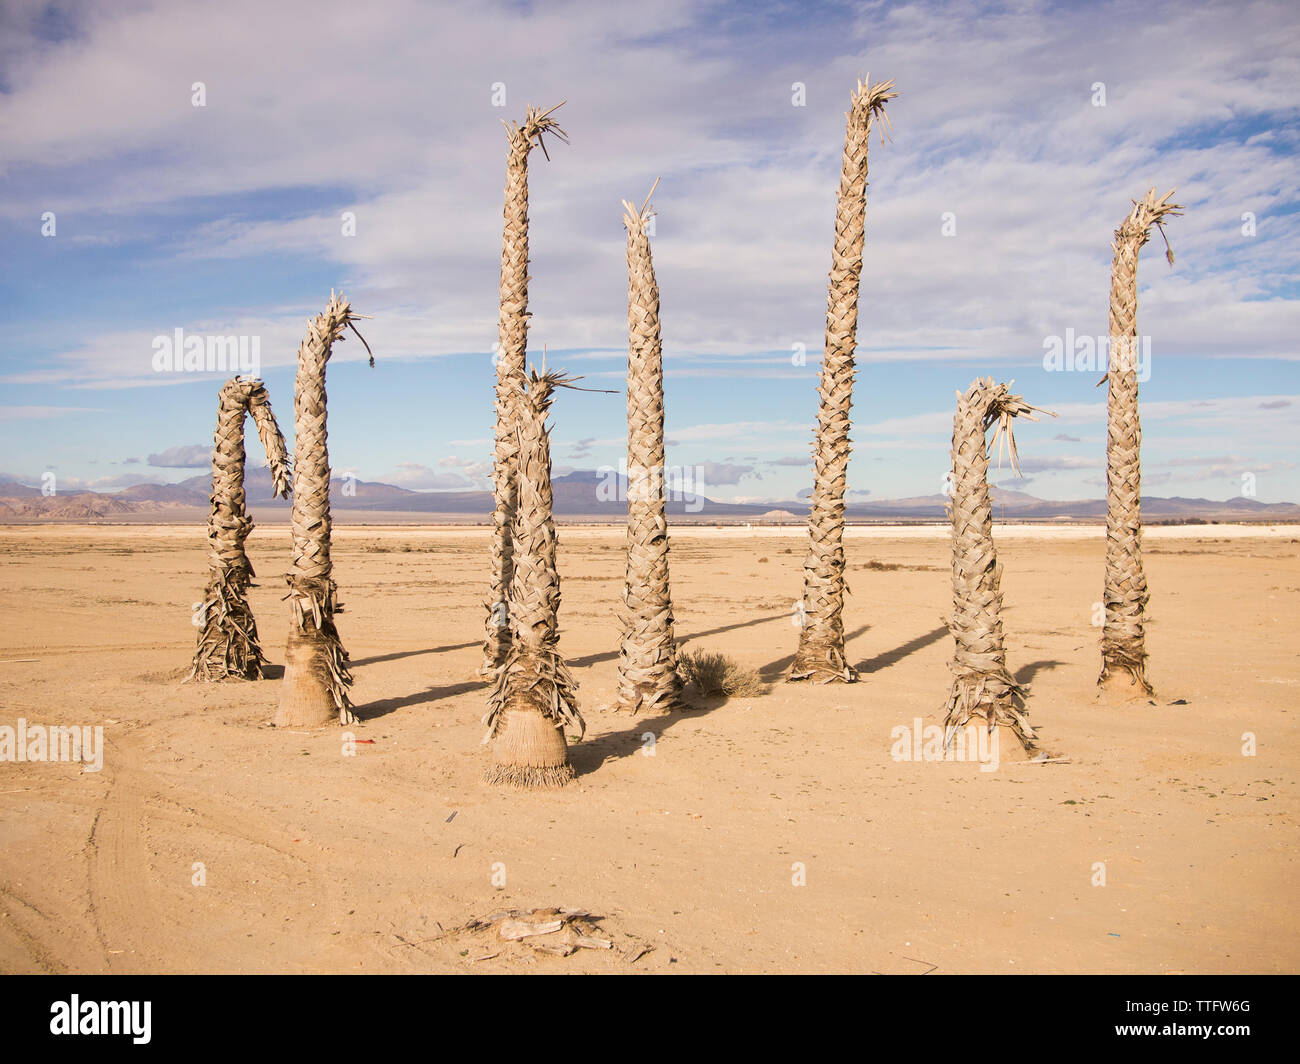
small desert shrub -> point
(716, 674)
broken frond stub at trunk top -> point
(533, 697)
(228, 645)
(316, 675)
(981, 684)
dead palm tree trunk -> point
(821, 638)
(512, 343)
(316, 676)
(981, 684)
(533, 696)
(647, 668)
(227, 641)
(1123, 639)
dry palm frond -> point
(1123, 641)
(647, 667)
(227, 642)
(981, 684)
(820, 654)
(512, 343)
(316, 676)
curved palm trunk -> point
(821, 639)
(533, 696)
(647, 667)
(1123, 640)
(316, 676)
(981, 684)
(512, 343)
(227, 641)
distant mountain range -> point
(583, 494)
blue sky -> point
(226, 219)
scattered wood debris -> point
(520, 933)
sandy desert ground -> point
(317, 862)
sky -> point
(170, 166)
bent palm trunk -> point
(820, 654)
(316, 676)
(1123, 639)
(981, 684)
(647, 667)
(227, 641)
(512, 343)
(533, 696)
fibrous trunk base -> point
(529, 752)
(822, 663)
(995, 700)
(1124, 682)
(307, 698)
(227, 646)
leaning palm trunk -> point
(227, 642)
(981, 684)
(647, 667)
(533, 696)
(1123, 640)
(316, 676)
(512, 342)
(821, 638)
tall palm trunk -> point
(981, 684)
(512, 343)
(1123, 640)
(821, 639)
(647, 668)
(533, 696)
(227, 640)
(316, 676)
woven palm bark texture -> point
(647, 667)
(227, 640)
(316, 674)
(981, 685)
(820, 654)
(533, 695)
(512, 343)
(1123, 639)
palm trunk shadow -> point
(610, 655)
(384, 706)
(398, 655)
(893, 657)
(774, 670)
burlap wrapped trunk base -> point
(981, 685)
(512, 342)
(227, 640)
(316, 676)
(1123, 640)
(647, 665)
(533, 695)
(820, 654)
